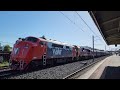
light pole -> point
(93, 46)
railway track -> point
(6, 73)
(71, 76)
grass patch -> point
(4, 64)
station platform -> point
(109, 68)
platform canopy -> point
(108, 23)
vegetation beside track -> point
(4, 64)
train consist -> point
(32, 52)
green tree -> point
(7, 48)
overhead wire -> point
(84, 22)
(87, 25)
(71, 20)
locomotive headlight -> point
(26, 46)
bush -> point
(7, 48)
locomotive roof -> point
(52, 41)
(55, 41)
(86, 47)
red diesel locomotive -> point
(32, 51)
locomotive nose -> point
(21, 54)
(21, 50)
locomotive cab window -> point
(31, 39)
(42, 43)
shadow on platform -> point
(111, 72)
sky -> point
(64, 26)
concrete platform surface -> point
(109, 68)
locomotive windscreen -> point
(31, 39)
